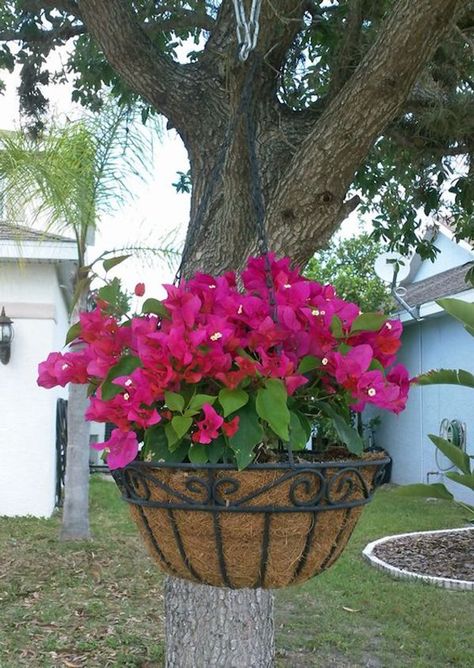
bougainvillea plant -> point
(219, 372)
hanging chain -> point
(247, 30)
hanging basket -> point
(269, 526)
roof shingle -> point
(447, 283)
(19, 233)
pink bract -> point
(211, 335)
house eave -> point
(432, 309)
(37, 251)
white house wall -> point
(438, 342)
(35, 301)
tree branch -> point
(167, 85)
(348, 52)
(67, 30)
(320, 174)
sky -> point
(156, 209)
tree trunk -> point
(75, 524)
(212, 627)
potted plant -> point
(213, 393)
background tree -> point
(71, 176)
(366, 96)
(348, 264)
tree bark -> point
(211, 627)
(75, 523)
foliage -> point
(421, 163)
(464, 312)
(348, 265)
(215, 373)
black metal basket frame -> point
(334, 490)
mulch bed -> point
(446, 555)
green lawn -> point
(100, 603)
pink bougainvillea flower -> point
(349, 367)
(230, 428)
(207, 429)
(60, 369)
(139, 289)
(122, 448)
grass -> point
(100, 603)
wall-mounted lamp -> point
(6, 337)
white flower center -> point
(388, 325)
(287, 285)
(315, 311)
(212, 287)
(240, 309)
(64, 367)
(126, 396)
(216, 336)
(324, 361)
(128, 382)
(371, 392)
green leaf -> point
(172, 436)
(368, 322)
(308, 363)
(125, 367)
(181, 424)
(174, 401)
(436, 490)
(298, 434)
(462, 478)
(156, 446)
(462, 311)
(114, 261)
(272, 406)
(73, 332)
(198, 454)
(336, 327)
(249, 434)
(459, 458)
(232, 400)
(345, 431)
(375, 364)
(447, 377)
(198, 401)
(216, 450)
(111, 292)
(152, 305)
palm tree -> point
(74, 174)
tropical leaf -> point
(447, 377)
(462, 478)
(462, 311)
(436, 491)
(459, 458)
